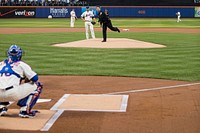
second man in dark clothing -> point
(105, 22)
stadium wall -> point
(114, 11)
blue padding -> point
(23, 101)
(35, 78)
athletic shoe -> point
(3, 111)
(103, 41)
(24, 114)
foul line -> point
(152, 89)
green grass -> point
(180, 60)
(123, 23)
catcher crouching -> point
(12, 86)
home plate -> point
(13, 122)
(99, 103)
(111, 43)
(43, 100)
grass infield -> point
(179, 60)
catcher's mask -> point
(15, 53)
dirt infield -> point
(171, 109)
(44, 30)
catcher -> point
(12, 87)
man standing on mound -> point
(88, 18)
(105, 22)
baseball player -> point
(105, 22)
(88, 17)
(178, 14)
(73, 18)
(12, 88)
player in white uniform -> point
(12, 71)
(73, 18)
(88, 17)
(178, 16)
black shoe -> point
(103, 41)
(118, 30)
(3, 111)
(25, 114)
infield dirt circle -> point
(173, 109)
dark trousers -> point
(104, 28)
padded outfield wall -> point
(114, 11)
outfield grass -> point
(180, 60)
(123, 23)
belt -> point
(8, 88)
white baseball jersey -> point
(88, 15)
(178, 14)
(10, 74)
(73, 14)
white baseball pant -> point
(17, 92)
(87, 26)
(72, 21)
(178, 18)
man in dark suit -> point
(105, 22)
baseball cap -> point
(87, 7)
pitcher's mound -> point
(111, 43)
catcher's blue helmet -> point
(15, 53)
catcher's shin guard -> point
(28, 102)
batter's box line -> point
(60, 101)
(59, 112)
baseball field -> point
(163, 84)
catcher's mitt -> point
(24, 80)
(93, 23)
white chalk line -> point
(59, 112)
(153, 89)
(60, 101)
(51, 121)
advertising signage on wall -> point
(64, 12)
(58, 12)
(17, 13)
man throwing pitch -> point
(88, 17)
(105, 22)
(12, 72)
